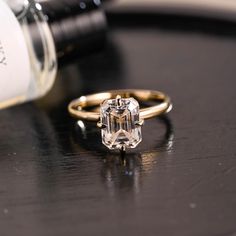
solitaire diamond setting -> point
(120, 123)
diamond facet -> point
(120, 122)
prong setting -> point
(118, 100)
(122, 149)
(140, 122)
(101, 125)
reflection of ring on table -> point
(120, 118)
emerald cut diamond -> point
(120, 123)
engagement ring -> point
(120, 117)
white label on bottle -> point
(15, 73)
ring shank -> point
(76, 107)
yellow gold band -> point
(76, 107)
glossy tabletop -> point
(56, 178)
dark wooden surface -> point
(58, 179)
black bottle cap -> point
(78, 26)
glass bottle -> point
(30, 44)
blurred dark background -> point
(56, 178)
